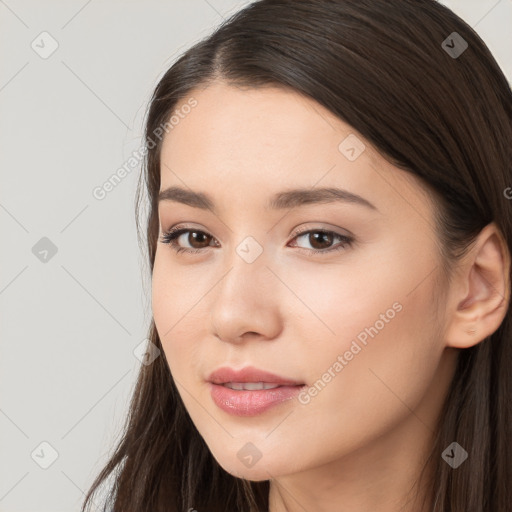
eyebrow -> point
(282, 200)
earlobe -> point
(481, 291)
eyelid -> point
(170, 236)
(300, 230)
(296, 231)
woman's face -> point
(353, 323)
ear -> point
(480, 290)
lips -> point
(249, 374)
(250, 391)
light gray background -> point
(69, 325)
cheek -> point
(376, 293)
(340, 302)
(383, 353)
(173, 292)
(380, 300)
(166, 297)
(179, 307)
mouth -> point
(250, 376)
(250, 391)
(251, 386)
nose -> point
(246, 302)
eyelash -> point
(170, 237)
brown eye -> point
(321, 241)
(196, 239)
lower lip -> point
(250, 403)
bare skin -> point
(359, 442)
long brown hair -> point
(385, 68)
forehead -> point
(256, 141)
(255, 121)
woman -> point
(329, 239)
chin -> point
(260, 470)
(254, 474)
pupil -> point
(195, 235)
(316, 236)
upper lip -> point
(249, 374)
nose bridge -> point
(247, 271)
(244, 300)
